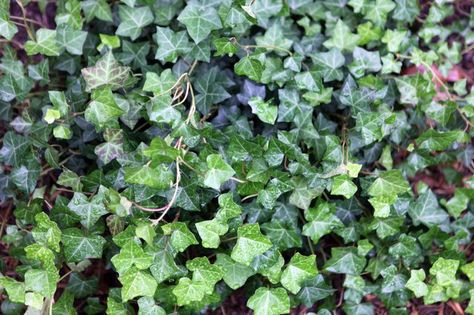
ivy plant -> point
(170, 156)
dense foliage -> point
(165, 156)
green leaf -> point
(389, 183)
(210, 232)
(218, 171)
(328, 64)
(71, 40)
(103, 111)
(299, 269)
(342, 185)
(131, 254)
(159, 177)
(41, 281)
(269, 301)
(341, 38)
(345, 260)
(250, 243)
(45, 43)
(88, 211)
(265, 111)
(106, 72)
(133, 20)
(313, 290)
(159, 84)
(426, 210)
(15, 289)
(204, 272)
(147, 306)
(199, 21)
(235, 274)
(46, 232)
(137, 283)
(78, 246)
(187, 291)
(181, 236)
(468, 270)
(437, 140)
(444, 270)
(322, 220)
(416, 284)
(252, 68)
(99, 9)
(282, 234)
(170, 44)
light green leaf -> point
(131, 254)
(389, 183)
(210, 232)
(416, 284)
(45, 43)
(342, 185)
(137, 283)
(46, 232)
(250, 67)
(250, 244)
(204, 272)
(265, 111)
(267, 301)
(41, 281)
(188, 291)
(218, 171)
(299, 269)
(181, 236)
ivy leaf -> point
(45, 43)
(171, 45)
(103, 110)
(199, 21)
(328, 64)
(41, 281)
(159, 84)
(389, 183)
(265, 111)
(7, 28)
(97, 9)
(113, 148)
(282, 234)
(78, 246)
(46, 232)
(322, 220)
(204, 272)
(15, 289)
(131, 254)
(250, 67)
(159, 177)
(444, 270)
(210, 232)
(250, 244)
(436, 140)
(187, 291)
(14, 148)
(147, 306)
(133, 20)
(228, 208)
(137, 282)
(267, 301)
(426, 210)
(106, 72)
(342, 38)
(181, 236)
(342, 185)
(345, 260)
(314, 289)
(218, 171)
(299, 269)
(71, 40)
(416, 284)
(88, 211)
(235, 274)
